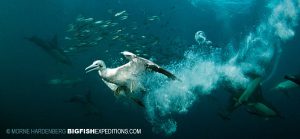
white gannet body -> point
(125, 78)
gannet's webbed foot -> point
(117, 92)
(121, 90)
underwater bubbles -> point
(204, 70)
(200, 38)
(172, 98)
(284, 17)
(261, 49)
(199, 73)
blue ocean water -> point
(253, 36)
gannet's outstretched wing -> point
(154, 67)
(162, 71)
(142, 63)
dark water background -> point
(26, 101)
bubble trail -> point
(204, 70)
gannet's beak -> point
(91, 68)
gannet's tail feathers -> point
(162, 71)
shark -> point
(86, 101)
(290, 82)
(253, 101)
(52, 48)
(65, 81)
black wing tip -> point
(173, 77)
(138, 101)
(162, 71)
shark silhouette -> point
(86, 101)
(253, 100)
(51, 47)
(293, 78)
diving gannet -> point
(124, 79)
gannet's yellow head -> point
(128, 55)
(97, 65)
